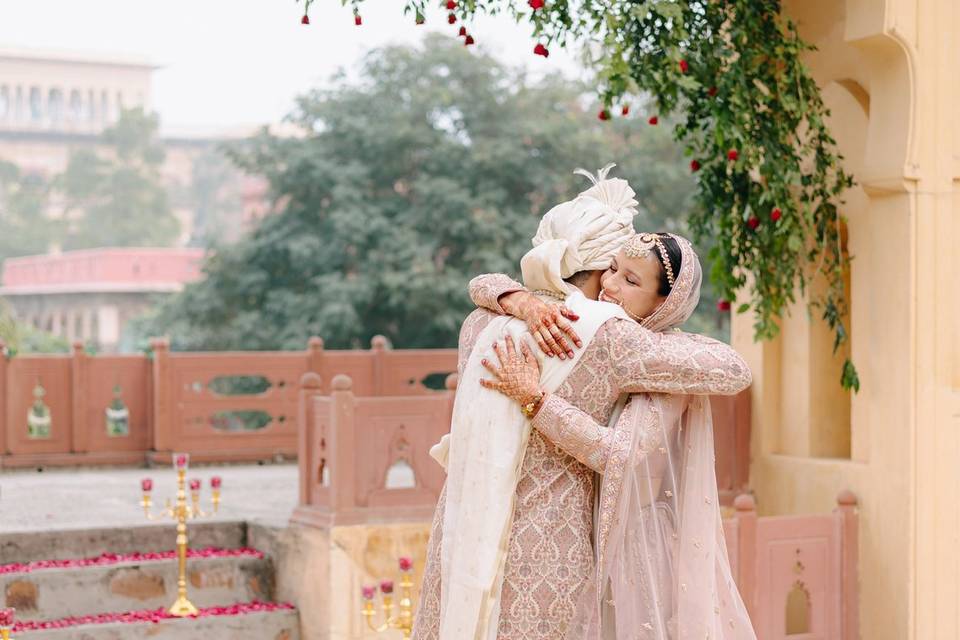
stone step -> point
(252, 622)
(89, 589)
(29, 546)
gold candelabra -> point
(6, 622)
(403, 620)
(182, 511)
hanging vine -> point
(749, 115)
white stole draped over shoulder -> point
(488, 438)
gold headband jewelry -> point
(643, 243)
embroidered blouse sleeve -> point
(487, 288)
(671, 362)
(574, 431)
(577, 433)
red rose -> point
(541, 50)
(147, 485)
(733, 154)
(653, 120)
(181, 461)
(684, 66)
(463, 31)
(194, 484)
(723, 305)
(776, 214)
(625, 110)
(712, 91)
(451, 18)
(604, 114)
(535, 4)
(406, 563)
(386, 587)
(357, 20)
(216, 482)
(753, 222)
(694, 165)
(369, 592)
(305, 19)
(451, 5)
(469, 41)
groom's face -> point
(633, 283)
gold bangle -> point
(529, 409)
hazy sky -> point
(241, 62)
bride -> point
(661, 570)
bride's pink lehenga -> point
(550, 561)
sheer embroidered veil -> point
(662, 570)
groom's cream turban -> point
(583, 234)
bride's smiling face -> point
(633, 283)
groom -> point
(548, 551)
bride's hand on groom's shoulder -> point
(518, 373)
(549, 324)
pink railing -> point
(186, 401)
(797, 574)
(339, 481)
(366, 458)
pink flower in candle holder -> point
(215, 482)
(7, 617)
(181, 460)
(369, 592)
(194, 484)
(386, 587)
(147, 485)
(406, 564)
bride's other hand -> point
(518, 376)
(547, 322)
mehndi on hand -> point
(518, 376)
(547, 322)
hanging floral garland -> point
(750, 117)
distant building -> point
(54, 101)
(91, 295)
(51, 100)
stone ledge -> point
(76, 543)
(50, 594)
(258, 625)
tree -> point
(26, 229)
(22, 338)
(753, 122)
(435, 167)
(116, 197)
(213, 195)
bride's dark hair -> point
(674, 256)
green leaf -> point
(670, 10)
(849, 378)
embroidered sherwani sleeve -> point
(487, 288)
(643, 361)
(470, 330)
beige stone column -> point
(888, 71)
